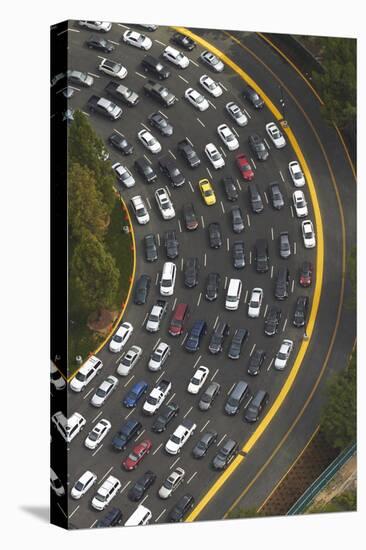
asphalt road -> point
(199, 474)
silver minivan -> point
(236, 397)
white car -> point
(180, 436)
(171, 483)
(283, 354)
(56, 484)
(276, 135)
(129, 360)
(149, 141)
(68, 427)
(101, 26)
(213, 155)
(110, 487)
(212, 61)
(123, 174)
(140, 210)
(112, 68)
(255, 303)
(57, 380)
(300, 204)
(83, 484)
(86, 374)
(296, 174)
(137, 39)
(97, 434)
(104, 391)
(308, 234)
(159, 356)
(176, 57)
(164, 203)
(121, 337)
(228, 137)
(196, 99)
(236, 113)
(210, 85)
(197, 380)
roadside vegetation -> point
(100, 257)
(345, 502)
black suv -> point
(120, 143)
(300, 313)
(165, 416)
(261, 256)
(190, 218)
(237, 342)
(237, 219)
(171, 244)
(225, 455)
(212, 286)
(256, 361)
(253, 97)
(183, 41)
(238, 254)
(161, 123)
(191, 269)
(217, 339)
(230, 188)
(139, 488)
(142, 289)
(214, 235)
(169, 168)
(282, 283)
(151, 250)
(181, 509)
(187, 151)
(155, 67)
(145, 169)
(272, 321)
(258, 147)
(127, 431)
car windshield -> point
(133, 456)
(281, 355)
(127, 361)
(151, 400)
(93, 436)
(199, 98)
(175, 439)
(78, 486)
(80, 376)
(195, 381)
(168, 484)
(156, 356)
(140, 212)
(208, 192)
(153, 318)
(215, 155)
(100, 392)
(99, 497)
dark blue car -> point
(198, 329)
(127, 431)
(134, 395)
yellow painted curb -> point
(317, 290)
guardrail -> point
(303, 502)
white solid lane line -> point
(182, 78)
(200, 121)
(157, 448)
(125, 487)
(204, 426)
(95, 452)
(142, 75)
(105, 475)
(159, 516)
(187, 413)
(221, 440)
(73, 512)
(192, 476)
(174, 463)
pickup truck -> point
(104, 107)
(156, 314)
(159, 92)
(157, 397)
(180, 437)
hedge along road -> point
(317, 291)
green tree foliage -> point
(87, 149)
(86, 207)
(338, 422)
(94, 275)
(238, 512)
(337, 86)
(346, 502)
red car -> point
(178, 319)
(306, 274)
(137, 454)
(244, 167)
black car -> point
(165, 416)
(120, 143)
(142, 289)
(284, 245)
(255, 198)
(183, 41)
(129, 429)
(212, 286)
(145, 169)
(185, 148)
(225, 455)
(121, 93)
(221, 330)
(237, 342)
(161, 123)
(261, 256)
(155, 67)
(272, 320)
(237, 219)
(208, 396)
(276, 196)
(202, 446)
(99, 43)
(258, 147)
(171, 245)
(256, 361)
(139, 488)
(256, 406)
(169, 168)
(214, 235)
(181, 509)
(191, 270)
(301, 310)
(151, 249)
(282, 283)
(113, 517)
(238, 252)
(190, 218)
(253, 97)
(230, 188)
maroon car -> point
(178, 319)
(137, 454)
(244, 167)
(306, 274)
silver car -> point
(172, 483)
(104, 391)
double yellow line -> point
(317, 290)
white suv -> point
(167, 281)
(121, 337)
(255, 303)
(176, 57)
(111, 68)
(159, 357)
(164, 203)
(129, 360)
(141, 213)
(106, 492)
(68, 427)
(87, 372)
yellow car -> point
(207, 192)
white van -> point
(233, 294)
(86, 374)
(141, 516)
(167, 280)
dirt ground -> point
(344, 480)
